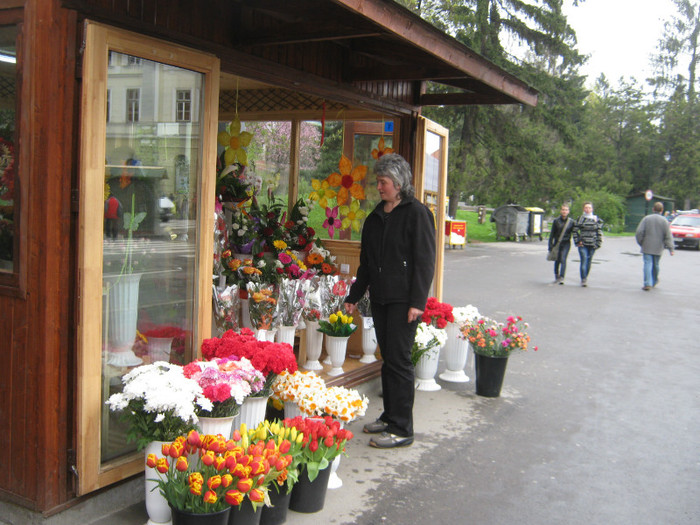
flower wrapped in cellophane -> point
(227, 303)
(263, 305)
(292, 297)
(312, 302)
(333, 290)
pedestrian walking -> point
(397, 262)
(588, 237)
(560, 242)
(653, 235)
(113, 217)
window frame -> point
(186, 103)
(131, 103)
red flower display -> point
(438, 314)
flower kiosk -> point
(172, 171)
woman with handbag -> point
(560, 243)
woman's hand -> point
(414, 314)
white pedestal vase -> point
(123, 316)
(426, 368)
(252, 412)
(336, 348)
(217, 425)
(314, 346)
(159, 348)
(156, 505)
(265, 335)
(285, 334)
(456, 352)
(369, 341)
(334, 481)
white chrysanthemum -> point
(430, 337)
(463, 314)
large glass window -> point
(9, 218)
(149, 233)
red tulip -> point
(233, 497)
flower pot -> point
(490, 372)
(336, 347)
(369, 341)
(252, 412)
(334, 481)
(217, 425)
(456, 352)
(426, 368)
(159, 348)
(310, 496)
(277, 513)
(180, 517)
(244, 514)
(314, 346)
(156, 505)
(285, 334)
(122, 318)
(292, 410)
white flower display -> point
(462, 314)
(428, 338)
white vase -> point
(369, 341)
(217, 425)
(245, 315)
(314, 346)
(156, 505)
(159, 348)
(426, 368)
(334, 481)
(123, 316)
(291, 410)
(456, 352)
(336, 348)
(252, 412)
(285, 334)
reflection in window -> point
(150, 216)
(184, 105)
(8, 156)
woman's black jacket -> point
(397, 256)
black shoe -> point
(375, 427)
(387, 440)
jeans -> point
(651, 269)
(395, 338)
(560, 263)
(586, 254)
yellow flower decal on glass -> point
(235, 141)
(352, 215)
(348, 179)
(381, 150)
(322, 192)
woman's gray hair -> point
(396, 168)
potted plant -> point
(226, 382)
(159, 404)
(207, 476)
(493, 342)
(338, 329)
(457, 348)
(425, 355)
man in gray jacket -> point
(653, 235)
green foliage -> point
(608, 206)
(477, 232)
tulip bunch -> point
(494, 339)
(206, 473)
(338, 325)
(322, 441)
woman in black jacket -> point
(561, 227)
(397, 262)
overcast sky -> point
(620, 35)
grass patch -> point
(477, 232)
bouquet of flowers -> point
(464, 314)
(436, 313)
(494, 339)
(243, 231)
(286, 439)
(292, 293)
(289, 266)
(344, 404)
(271, 359)
(333, 290)
(297, 235)
(320, 260)
(429, 338)
(322, 441)
(201, 474)
(263, 305)
(306, 389)
(158, 402)
(226, 382)
(226, 305)
(338, 325)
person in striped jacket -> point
(588, 237)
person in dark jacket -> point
(588, 236)
(561, 227)
(397, 262)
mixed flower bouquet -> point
(235, 183)
(297, 235)
(322, 441)
(494, 339)
(262, 305)
(226, 382)
(203, 474)
(320, 260)
(429, 338)
(338, 325)
(271, 359)
(289, 265)
(436, 313)
(158, 402)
